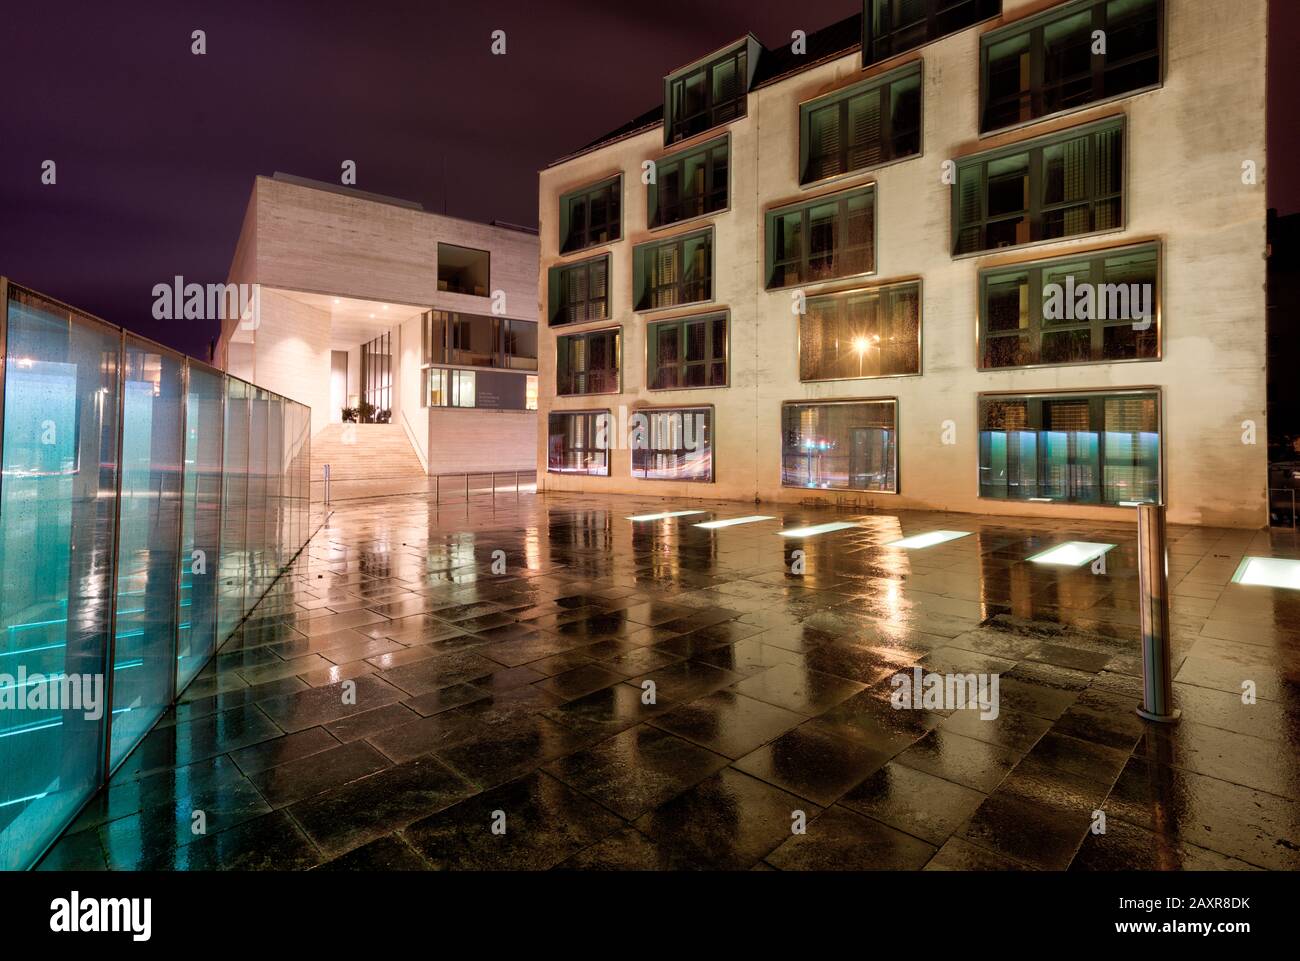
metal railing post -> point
(1153, 587)
(516, 484)
(467, 490)
(325, 473)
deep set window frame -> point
(654, 218)
(1038, 209)
(594, 427)
(568, 244)
(651, 413)
(678, 129)
(880, 290)
(882, 86)
(563, 361)
(1037, 270)
(641, 280)
(894, 469)
(804, 207)
(1034, 27)
(1096, 399)
(557, 287)
(982, 11)
(711, 358)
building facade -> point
(373, 310)
(995, 257)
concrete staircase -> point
(366, 460)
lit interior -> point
(733, 521)
(918, 541)
(818, 529)
(1071, 553)
(1269, 572)
(664, 516)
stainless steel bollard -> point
(1153, 587)
(325, 471)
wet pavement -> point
(617, 694)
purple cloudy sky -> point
(156, 148)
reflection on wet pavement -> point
(546, 683)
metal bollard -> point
(325, 470)
(1153, 587)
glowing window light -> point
(733, 521)
(815, 530)
(663, 516)
(928, 540)
(1071, 553)
(1268, 572)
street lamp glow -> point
(1071, 553)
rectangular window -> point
(869, 124)
(377, 380)
(1100, 306)
(591, 215)
(463, 270)
(588, 363)
(823, 239)
(578, 293)
(707, 95)
(530, 393)
(673, 272)
(1046, 64)
(519, 338)
(689, 184)
(673, 444)
(873, 332)
(890, 27)
(687, 352)
(1073, 448)
(578, 443)
(449, 388)
(842, 445)
(1063, 185)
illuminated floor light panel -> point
(918, 541)
(664, 516)
(1268, 572)
(1071, 553)
(818, 529)
(733, 521)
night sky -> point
(156, 148)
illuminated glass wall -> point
(146, 503)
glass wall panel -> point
(274, 483)
(849, 445)
(234, 506)
(201, 540)
(578, 443)
(56, 567)
(1078, 448)
(256, 576)
(149, 514)
(673, 444)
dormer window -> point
(707, 94)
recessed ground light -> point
(733, 521)
(1134, 503)
(372, 316)
(1071, 553)
(336, 300)
(814, 531)
(918, 541)
(663, 516)
(1268, 572)
(1041, 500)
(385, 306)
